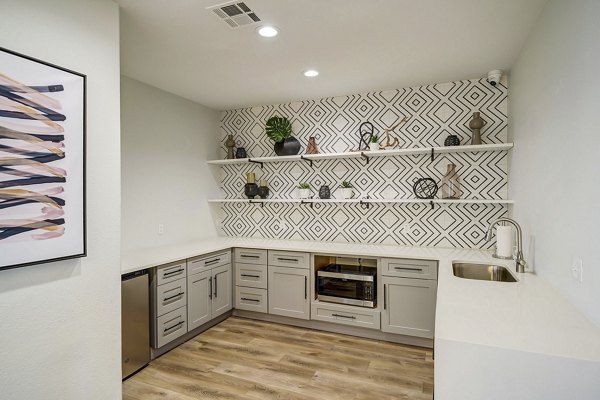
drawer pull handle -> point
(167, 274)
(212, 261)
(305, 288)
(384, 298)
(251, 276)
(408, 269)
(177, 325)
(344, 316)
(249, 256)
(216, 286)
(287, 259)
(173, 297)
(247, 299)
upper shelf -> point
(369, 154)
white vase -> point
(304, 193)
(374, 146)
(347, 193)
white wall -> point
(166, 141)
(555, 169)
(60, 331)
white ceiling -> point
(357, 45)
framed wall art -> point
(42, 162)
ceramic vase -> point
(263, 189)
(230, 143)
(452, 140)
(374, 146)
(476, 124)
(241, 153)
(304, 193)
(324, 192)
(312, 148)
(347, 193)
(287, 147)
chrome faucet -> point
(520, 261)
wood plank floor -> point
(248, 359)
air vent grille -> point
(235, 14)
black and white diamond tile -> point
(436, 111)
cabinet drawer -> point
(170, 296)
(250, 275)
(198, 264)
(289, 259)
(407, 268)
(251, 256)
(170, 272)
(364, 318)
(251, 299)
(170, 326)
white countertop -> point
(528, 315)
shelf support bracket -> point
(364, 203)
(366, 157)
(256, 162)
(431, 203)
(307, 202)
(307, 159)
(262, 203)
(432, 154)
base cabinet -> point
(288, 292)
(409, 306)
(209, 295)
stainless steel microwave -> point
(348, 284)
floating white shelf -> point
(370, 154)
(428, 201)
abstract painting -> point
(42, 162)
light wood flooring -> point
(248, 359)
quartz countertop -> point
(528, 315)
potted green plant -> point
(304, 190)
(346, 190)
(374, 145)
(279, 130)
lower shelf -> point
(363, 201)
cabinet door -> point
(409, 306)
(288, 292)
(199, 299)
(222, 290)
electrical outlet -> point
(577, 269)
(161, 229)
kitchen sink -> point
(482, 272)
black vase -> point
(251, 190)
(263, 192)
(324, 192)
(241, 153)
(452, 140)
(288, 147)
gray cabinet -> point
(209, 295)
(409, 303)
(288, 292)
(251, 280)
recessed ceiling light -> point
(311, 73)
(267, 31)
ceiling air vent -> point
(235, 14)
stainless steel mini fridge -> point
(135, 322)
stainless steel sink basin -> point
(482, 272)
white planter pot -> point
(347, 193)
(304, 193)
(374, 146)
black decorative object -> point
(263, 189)
(452, 140)
(425, 188)
(251, 188)
(287, 147)
(365, 133)
(241, 153)
(324, 192)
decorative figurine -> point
(425, 188)
(365, 133)
(476, 124)
(312, 148)
(263, 189)
(230, 143)
(390, 144)
(251, 188)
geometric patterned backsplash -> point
(436, 111)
